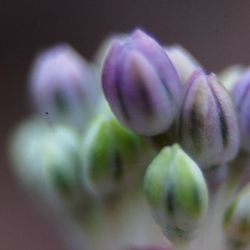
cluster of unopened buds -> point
(140, 149)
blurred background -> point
(216, 32)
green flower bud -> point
(176, 192)
(62, 164)
(25, 153)
(237, 218)
(112, 155)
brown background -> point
(216, 31)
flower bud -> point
(26, 145)
(62, 165)
(44, 159)
(141, 84)
(112, 156)
(237, 218)
(209, 125)
(183, 61)
(176, 192)
(241, 96)
(63, 86)
(230, 75)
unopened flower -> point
(241, 96)
(112, 156)
(230, 75)
(209, 125)
(141, 84)
(183, 61)
(62, 165)
(237, 219)
(47, 163)
(63, 86)
(176, 192)
(26, 154)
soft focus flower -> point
(63, 86)
(176, 192)
(209, 125)
(89, 162)
(230, 75)
(112, 156)
(237, 218)
(183, 61)
(47, 162)
(241, 96)
(26, 153)
(141, 84)
(62, 165)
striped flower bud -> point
(230, 75)
(62, 165)
(141, 84)
(63, 86)
(45, 161)
(176, 192)
(183, 61)
(209, 124)
(112, 156)
(237, 219)
(241, 96)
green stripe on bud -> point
(46, 160)
(176, 192)
(237, 218)
(112, 155)
(62, 164)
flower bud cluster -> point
(99, 146)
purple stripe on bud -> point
(141, 84)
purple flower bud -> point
(209, 126)
(241, 96)
(63, 86)
(141, 84)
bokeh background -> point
(217, 32)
